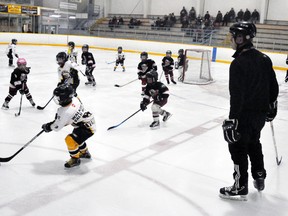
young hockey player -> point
(18, 82)
(67, 72)
(180, 64)
(145, 66)
(10, 51)
(167, 66)
(88, 60)
(159, 93)
(72, 112)
(120, 58)
(72, 52)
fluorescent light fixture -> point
(72, 17)
(55, 15)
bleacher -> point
(269, 36)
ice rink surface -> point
(176, 170)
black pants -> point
(250, 126)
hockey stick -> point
(110, 62)
(161, 76)
(116, 85)
(127, 118)
(18, 114)
(41, 108)
(11, 157)
(274, 141)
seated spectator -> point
(134, 22)
(255, 16)
(240, 16)
(120, 21)
(185, 23)
(247, 15)
(173, 18)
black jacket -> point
(252, 84)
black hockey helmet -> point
(168, 52)
(14, 41)
(71, 44)
(120, 49)
(180, 51)
(85, 48)
(144, 55)
(152, 77)
(63, 94)
(61, 58)
(248, 29)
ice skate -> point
(167, 115)
(155, 125)
(32, 102)
(93, 83)
(86, 154)
(72, 162)
(5, 106)
(173, 82)
(234, 193)
(11, 65)
(259, 184)
(114, 68)
(89, 83)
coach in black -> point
(253, 99)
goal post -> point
(197, 67)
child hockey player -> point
(10, 51)
(160, 93)
(72, 112)
(67, 72)
(18, 82)
(72, 52)
(145, 66)
(120, 58)
(167, 66)
(88, 60)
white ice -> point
(176, 170)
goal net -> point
(197, 67)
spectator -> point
(183, 13)
(120, 21)
(192, 14)
(240, 16)
(185, 22)
(255, 16)
(218, 19)
(231, 16)
(173, 18)
(225, 19)
(247, 15)
(207, 16)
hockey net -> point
(197, 67)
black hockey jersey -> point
(87, 59)
(167, 63)
(18, 77)
(148, 65)
(158, 91)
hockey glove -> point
(230, 131)
(143, 106)
(47, 127)
(140, 74)
(272, 112)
